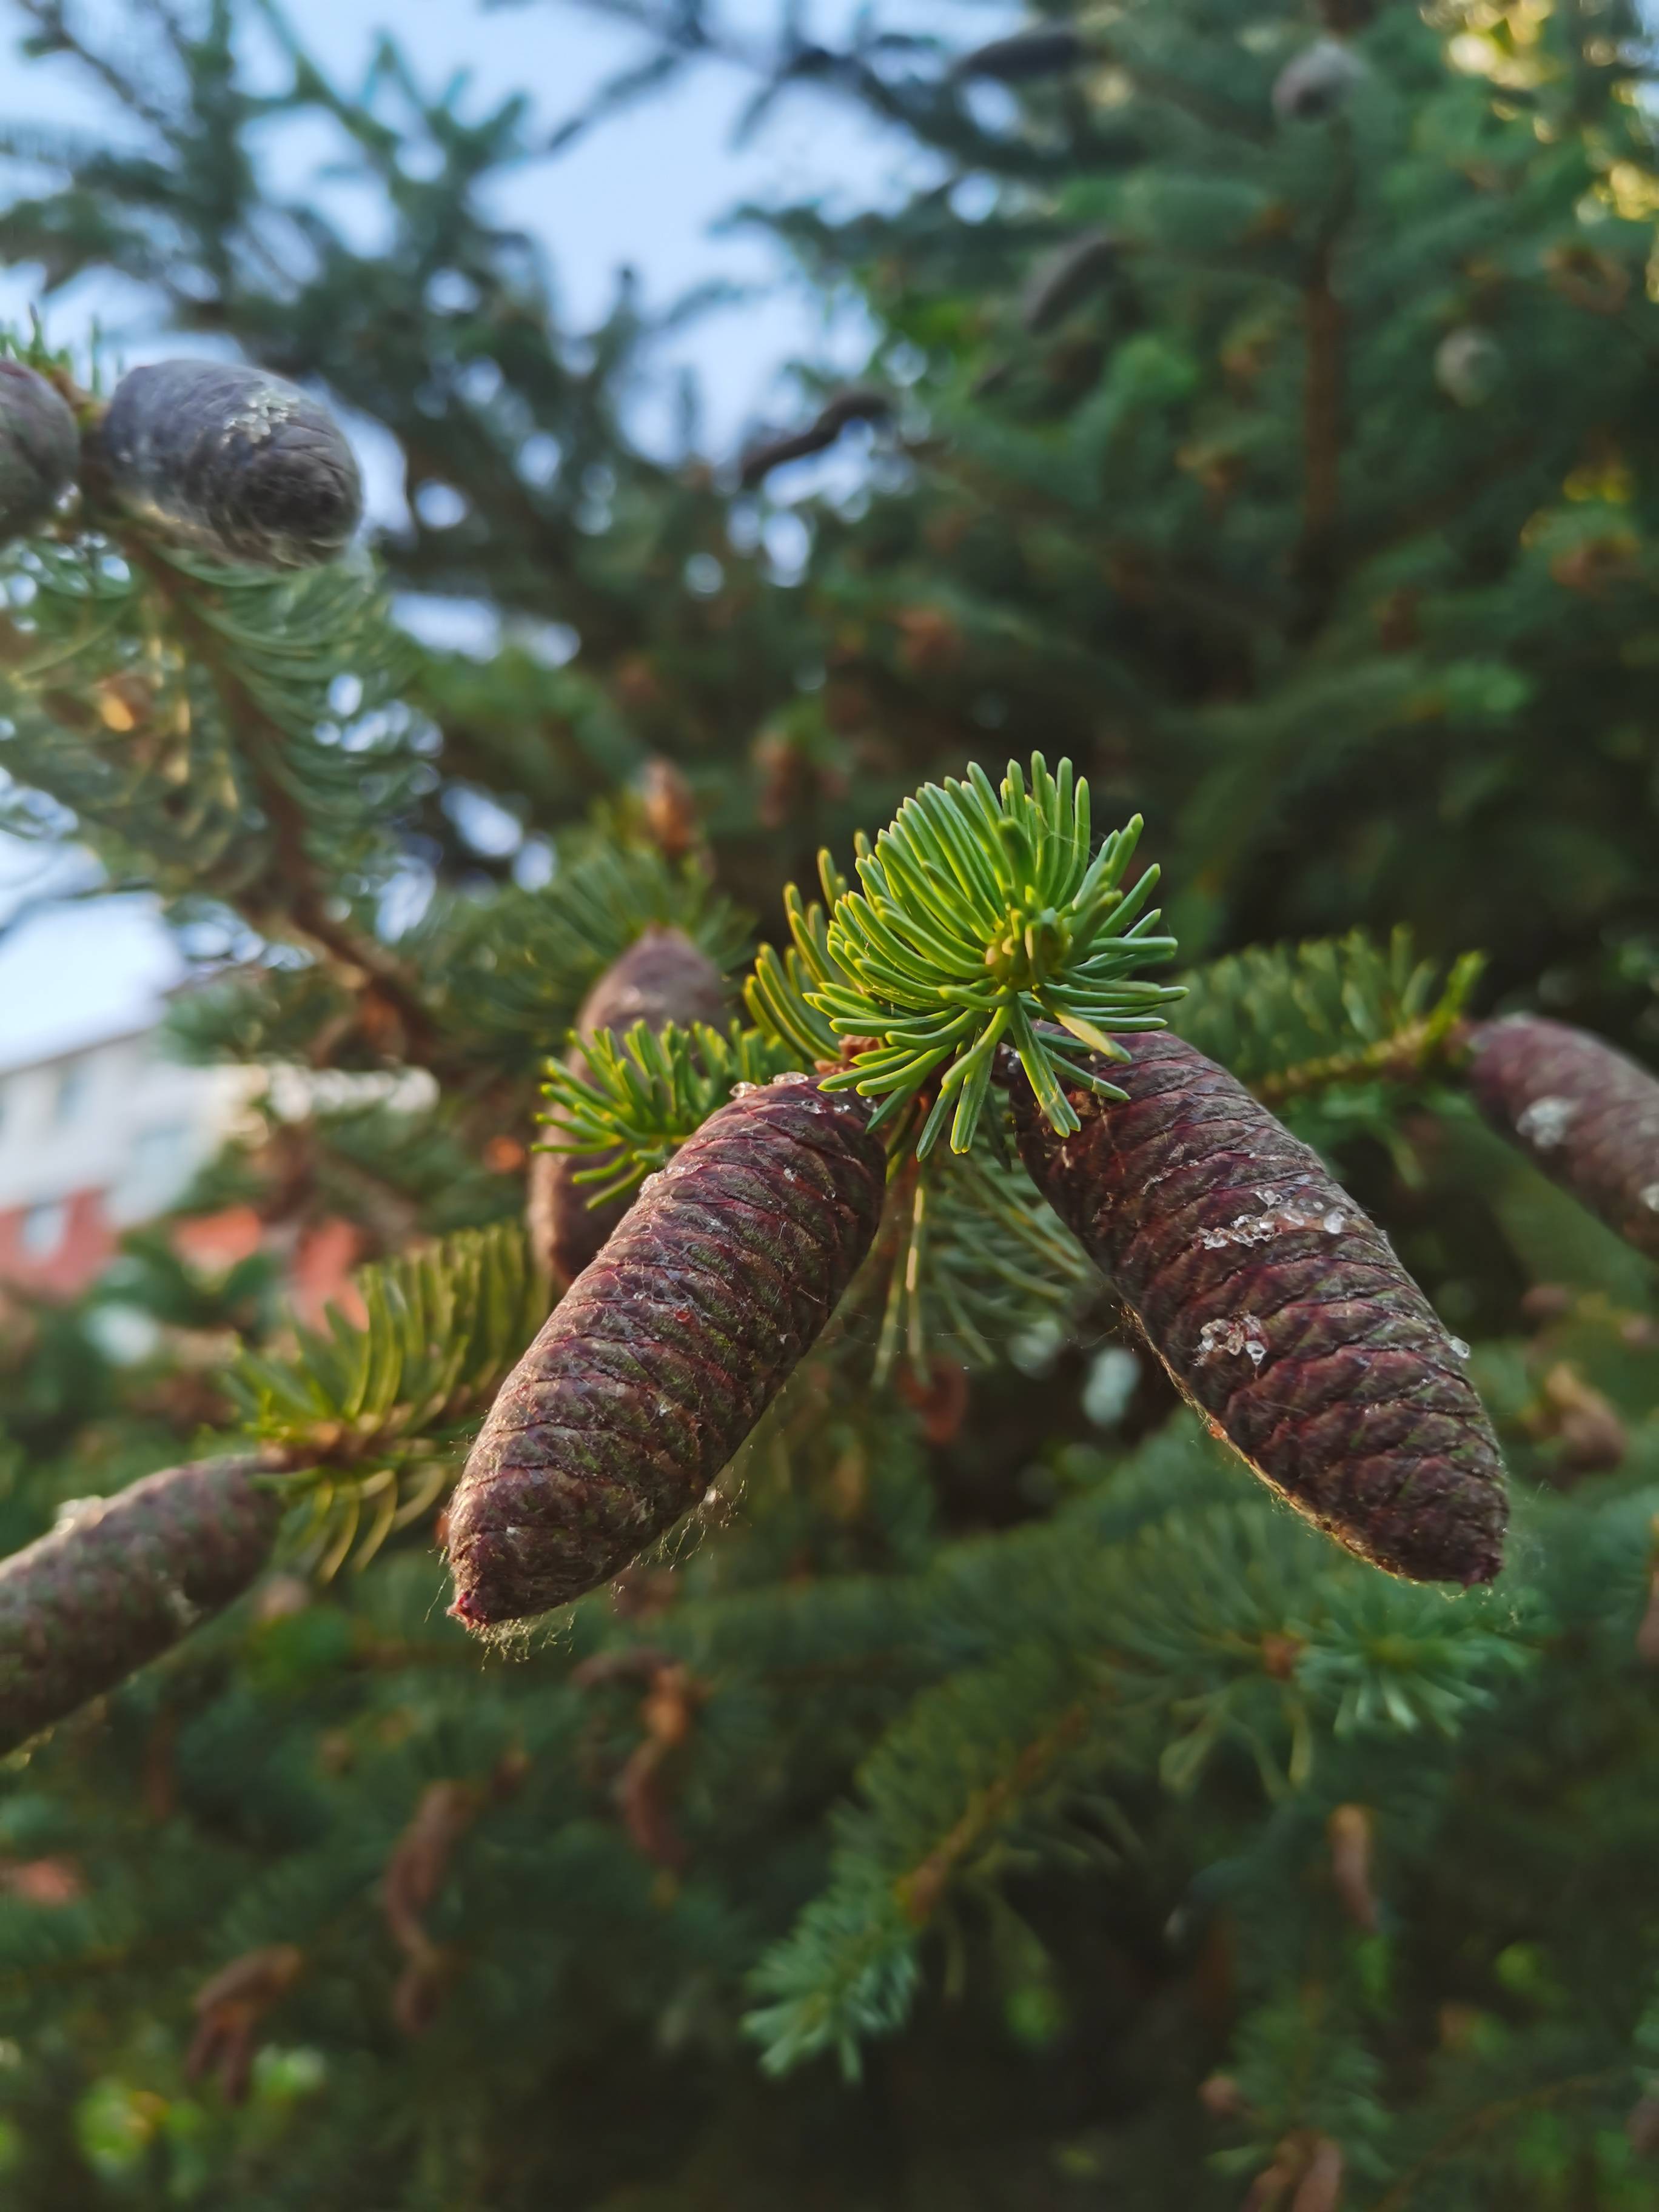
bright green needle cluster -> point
(982, 914)
(644, 1093)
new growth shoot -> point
(982, 920)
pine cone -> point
(40, 449)
(1317, 83)
(668, 1349)
(1063, 279)
(1279, 1309)
(1046, 50)
(230, 462)
(1582, 1112)
(122, 1580)
(662, 978)
(1468, 365)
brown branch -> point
(1324, 321)
(1489, 2117)
(1325, 328)
(1398, 1058)
(301, 904)
(918, 1892)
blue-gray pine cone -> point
(1044, 50)
(40, 449)
(231, 462)
(1318, 83)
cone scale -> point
(667, 1349)
(1279, 1309)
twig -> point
(1491, 2116)
(1325, 326)
(918, 1891)
(363, 966)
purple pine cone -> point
(40, 449)
(1279, 1309)
(231, 462)
(1586, 1115)
(120, 1582)
(662, 977)
(667, 1350)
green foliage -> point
(995, 903)
(645, 1093)
(1291, 1020)
(516, 964)
(1200, 1630)
(973, 1260)
(167, 703)
(366, 1417)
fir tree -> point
(989, 1794)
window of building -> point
(71, 1091)
(43, 1229)
(162, 1151)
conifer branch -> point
(290, 897)
(512, 970)
(1324, 333)
(1290, 1021)
(644, 1093)
(368, 1416)
(980, 912)
(1188, 1626)
(918, 1891)
(1495, 2115)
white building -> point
(98, 1130)
(96, 1140)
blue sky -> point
(647, 189)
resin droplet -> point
(1545, 1123)
(1243, 1334)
